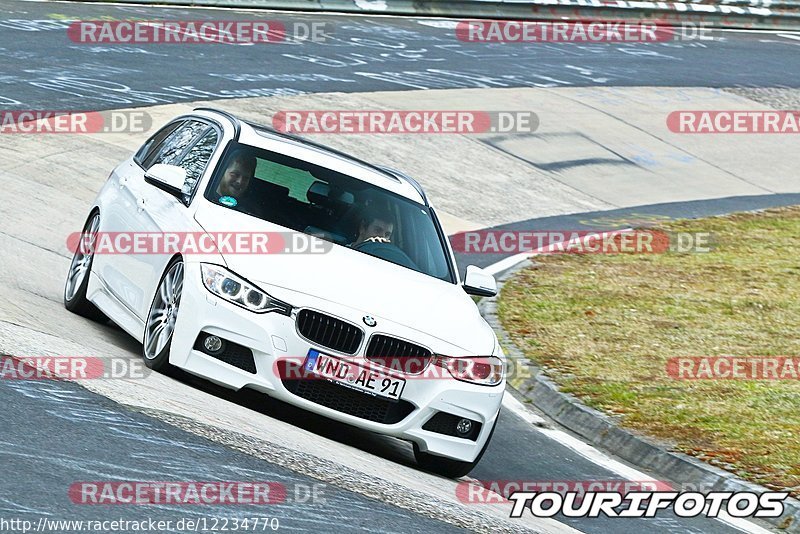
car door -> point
(163, 213)
(118, 214)
(145, 209)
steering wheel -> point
(388, 252)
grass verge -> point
(604, 327)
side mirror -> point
(480, 283)
(170, 178)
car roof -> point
(261, 136)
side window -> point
(174, 146)
(150, 148)
(195, 161)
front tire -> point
(448, 467)
(79, 271)
(162, 316)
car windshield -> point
(338, 208)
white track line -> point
(511, 402)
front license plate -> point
(354, 376)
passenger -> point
(375, 226)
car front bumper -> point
(273, 337)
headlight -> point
(482, 370)
(236, 290)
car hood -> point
(367, 285)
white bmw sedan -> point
(363, 319)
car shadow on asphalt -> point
(389, 448)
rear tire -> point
(448, 467)
(79, 272)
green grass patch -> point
(604, 326)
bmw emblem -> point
(370, 320)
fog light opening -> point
(464, 427)
(213, 344)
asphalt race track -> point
(168, 427)
(362, 54)
(58, 444)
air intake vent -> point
(230, 353)
(397, 354)
(329, 332)
(346, 400)
(447, 423)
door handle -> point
(123, 182)
(140, 203)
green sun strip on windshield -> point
(296, 180)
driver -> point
(237, 176)
(375, 226)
